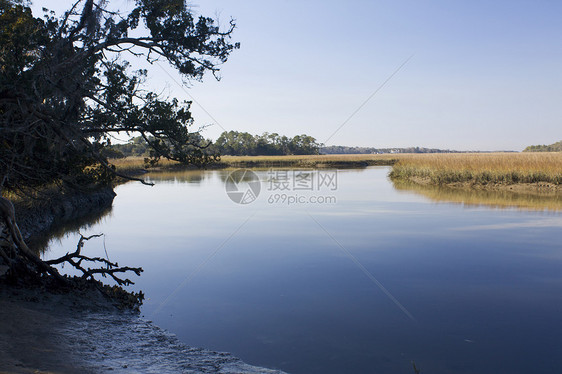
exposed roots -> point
(25, 268)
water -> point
(357, 276)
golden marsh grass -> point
(435, 168)
(131, 164)
(482, 168)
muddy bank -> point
(499, 198)
(46, 214)
(82, 331)
(539, 188)
(41, 332)
(31, 323)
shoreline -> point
(536, 173)
(537, 188)
(134, 166)
(44, 330)
(53, 210)
(31, 326)
(60, 333)
(500, 198)
(30, 341)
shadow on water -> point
(549, 201)
(59, 230)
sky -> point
(464, 75)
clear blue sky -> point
(485, 75)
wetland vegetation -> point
(512, 171)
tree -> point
(66, 88)
(555, 147)
(244, 144)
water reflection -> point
(551, 201)
(40, 242)
(177, 176)
(276, 285)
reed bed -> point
(434, 168)
(481, 168)
(311, 158)
(318, 161)
(136, 164)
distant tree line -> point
(232, 143)
(237, 143)
(556, 147)
(338, 149)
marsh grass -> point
(318, 161)
(136, 164)
(35, 198)
(481, 168)
(436, 168)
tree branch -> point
(108, 268)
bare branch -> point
(107, 267)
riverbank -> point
(32, 329)
(500, 198)
(48, 333)
(517, 172)
(52, 208)
(135, 165)
(509, 171)
(310, 161)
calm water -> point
(367, 280)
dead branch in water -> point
(25, 266)
(109, 268)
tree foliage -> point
(137, 146)
(339, 149)
(66, 86)
(244, 144)
(555, 147)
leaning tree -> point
(67, 86)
